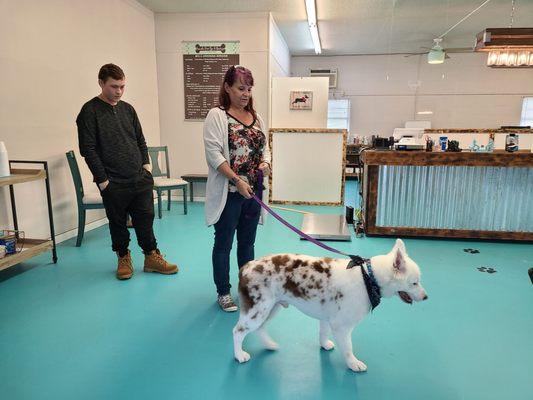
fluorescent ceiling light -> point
(311, 11)
(313, 28)
(316, 39)
(425, 112)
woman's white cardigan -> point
(217, 152)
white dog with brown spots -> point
(323, 288)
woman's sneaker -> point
(226, 303)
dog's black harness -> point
(371, 284)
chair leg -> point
(185, 200)
(168, 200)
(81, 226)
(159, 201)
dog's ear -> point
(400, 245)
(398, 252)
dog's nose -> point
(425, 297)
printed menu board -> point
(204, 66)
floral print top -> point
(246, 145)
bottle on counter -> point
(4, 161)
(511, 142)
(490, 145)
(429, 143)
(443, 140)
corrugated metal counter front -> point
(459, 195)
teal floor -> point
(72, 331)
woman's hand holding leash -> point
(265, 167)
(244, 189)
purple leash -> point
(291, 227)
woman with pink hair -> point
(236, 148)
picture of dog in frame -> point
(301, 101)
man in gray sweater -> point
(113, 145)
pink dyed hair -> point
(232, 74)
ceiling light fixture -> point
(311, 21)
(436, 54)
(507, 47)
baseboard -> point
(74, 232)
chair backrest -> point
(76, 177)
(154, 153)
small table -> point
(32, 247)
(192, 178)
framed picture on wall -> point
(301, 101)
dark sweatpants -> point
(135, 199)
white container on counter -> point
(4, 161)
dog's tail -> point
(244, 293)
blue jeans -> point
(241, 215)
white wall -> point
(280, 56)
(386, 91)
(50, 54)
(279, 59)
(284, 117)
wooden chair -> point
(86, 201)
(162, 180)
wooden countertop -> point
(498, 158)
(22, 175)
(307, 130)
(518, 131)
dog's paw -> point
(327, 345)
(356, 365)
(242, 357)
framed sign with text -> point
(204, 66)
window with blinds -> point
(339, 114)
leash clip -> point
(355, 261)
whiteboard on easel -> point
(308, 166)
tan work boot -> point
(125, 267)
(154, 262)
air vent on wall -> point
(329, 73)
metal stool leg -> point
(185, 200)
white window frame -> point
(345, 120)
(526, 118)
